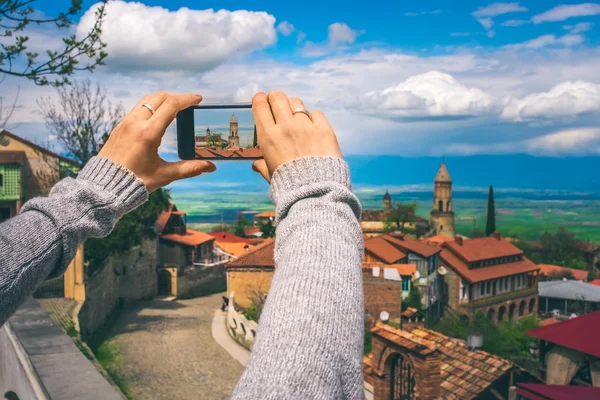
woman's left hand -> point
(134, 142)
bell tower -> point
(387, 201)
(442, 216)
(234, 139)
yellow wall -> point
(74, 278)
(244, 283)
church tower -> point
(234, 139)
(387, 201)
(442, 216)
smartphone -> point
(217, 132)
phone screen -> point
(219, 133)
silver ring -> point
(149, 107)
(300, 110)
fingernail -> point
(211, 167)
(199, 98)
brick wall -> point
(381, 295)
(244, 282)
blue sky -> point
(427, 78)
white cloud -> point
(140, 37)
(433, 95)
(579, 28)
(514, 22)
(340, 33)
(572, 141)
(564, 101)
(485, 14)
(563, 12)
(285, 28)
(547, 41)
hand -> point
(283, 136)
(134, 142)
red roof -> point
(595, 282)
(228, 237)
(383, 250)
(248, 153)
(262, 255)
(12, 157)
(538, 391)
(163, 218)
(547, 270)
(439, 239)
(474, 275)
(483, 249)
(407, 244)
(266, 214)
(579, 333)
(191, 238)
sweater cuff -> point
(304, 171)
(116, 179)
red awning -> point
(538, 391)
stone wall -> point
(244, 282)
(125, 277)
(196, 281)
(381, 295)
(452, 282)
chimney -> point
(247, 248)
(497, 236)
(459, 240)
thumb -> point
(188, 169)
(260, 166)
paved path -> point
(169, 353)
(222, 337)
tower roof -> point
(233, 118)
(387, 196)
(443, 175)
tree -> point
(267, 229)
(490, 226)
(560, 248)
(399, 214)
(255, 143)
(83, 120)
(57, 66)
(214, 140)
(413, 299)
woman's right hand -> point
(283, 136)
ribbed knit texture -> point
(42, 240)
(309, 343)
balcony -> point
(211, 261)
(501, 298)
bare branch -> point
(6, 114)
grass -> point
(109, 356)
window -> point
(1, 180)
(481, 289)
(406, 285)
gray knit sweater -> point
(310, 338)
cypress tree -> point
(255, 137)
(490, 227)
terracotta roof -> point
(465, 374)
(251, 230)
(380, 248)
(547, 270)
(12, 157)
(228, 237)
(235, 249)
(248, 153)
(266, 214)
(409, 312)
(548, 321)
(483, 249)
(595, 282)
(213, 152)
(443, 175)
(403, 269)
(438, 239)
(408, 244)
(579, 333)
(191, 238)
(39, 148)
(262, 255)
(450, 260)
(540, 391)
(163, 218)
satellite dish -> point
(384, 316)
(417, 275)
(442, 270)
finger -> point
(299, 117)
(166, 113)
(142, 113)
(187, 169)
(332, 147)
(280, 106)
(261, 110)
(260, 166)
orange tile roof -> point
(235, 249)
(595, 282)
(266, 214)
(483, 249)
(548, 321)
(228, 237)
(251, 230)
(465, 374)
(547, 270)
(215, 153)
(408, 244)
(248, 153)
(380, 248)
(450, 260)
(409, 312)
(403, 269)
(191, 238)
(438, 239)
(262, 255)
